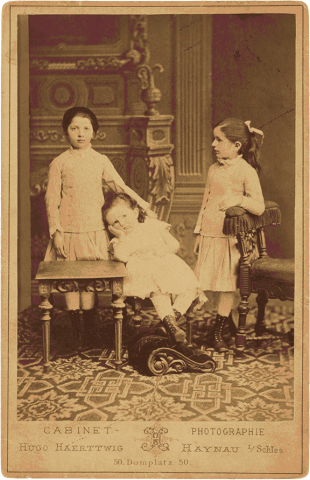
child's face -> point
(122, 217)
(223, 147)
(80, 132)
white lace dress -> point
(151, 268)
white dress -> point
(74, 201)
(151, 268)
(218, 257)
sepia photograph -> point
(155, 250)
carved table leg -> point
(118, 305)
(261, 300)
(45, 306)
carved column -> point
(150, 163)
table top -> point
(81, 270)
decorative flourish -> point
(93, 63)
(258, 375)
(48, 406)
(166, 360)
(162, 361)
(38, 181)
(139, 52)
(256, 411)
(149, 407)
(155, 438)
(162, 179)
(65, 369)
(43, 136)
(101, 136)
(150, 94)
(139, 177)
(139, 56)
(282, 291)
(65, 286)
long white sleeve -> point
(253, 200)
(53, 197)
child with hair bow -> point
(232, 181)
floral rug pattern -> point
(256, 386)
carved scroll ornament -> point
(66, 286)
(140, 56)
(38, 182)
(162, 180)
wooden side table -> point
(79, 276)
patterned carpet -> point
(257, 386)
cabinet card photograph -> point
(155, 239)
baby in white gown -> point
(153, 269)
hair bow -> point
(251, 129)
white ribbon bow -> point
(251, 129)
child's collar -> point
(229, 161)
(75, 151)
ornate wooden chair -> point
(268, 277)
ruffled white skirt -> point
(166, 274)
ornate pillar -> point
(150, 163)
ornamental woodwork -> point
(66, 286)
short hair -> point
(79, 112)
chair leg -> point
(243, 310)
(189, 326)
(137, 319)
(245, 291)
(261, 300)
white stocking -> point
(184, 300)
(162, 304)
(226, 301)
(73, 300)
(88, 300)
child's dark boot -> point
(174, 332)
(229, 329)
(178, 315)
(215, 339)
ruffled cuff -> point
(200, 300)
(197, 229)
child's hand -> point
(59, 244)
(197, 243)
(150, 213)
(116, 232)
(230, 202)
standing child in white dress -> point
(153, 269)
(74, 200)
(232, 181)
